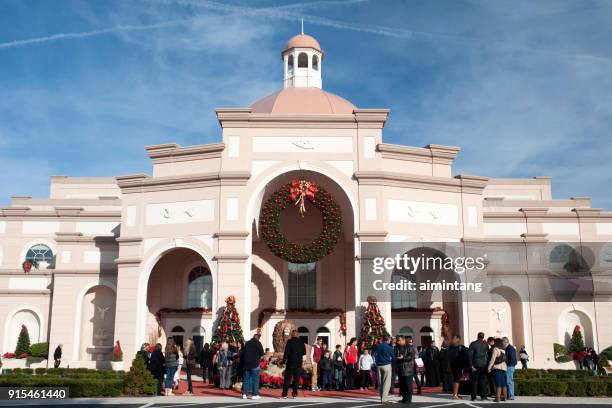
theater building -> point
(141, 257)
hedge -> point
(40, 350)
(78, 387)
(571, 383)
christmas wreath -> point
(297, 192)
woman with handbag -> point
(497, 367)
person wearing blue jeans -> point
(511, 363)
(253, 351)
(337, 361)
(172, 362)
(250, 382)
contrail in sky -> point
(282, 13)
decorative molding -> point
(172, 152)
(5, 292)
(180, 212)
(431, 153)
(79, 238)
(230, 258)
(371, 236)
(129, 241)
(461, 183)
(140, 183)
(128, 261)
(231, 235)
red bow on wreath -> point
(300, 191)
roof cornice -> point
(143, 183)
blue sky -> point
(523, 87)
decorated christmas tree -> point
(23, 342)
(373, 328)
(576, 346)
(228, 326)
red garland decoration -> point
(270, 310)
(28, 264)
(172, 310)
(296, 193)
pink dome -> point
(303, 41)
(303, 101)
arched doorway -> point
(303, 290)
(180, 294)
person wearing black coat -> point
(295, 350)
(404, 355)
(157, 366)
(206, 362)
(57, 356)
(432, 365)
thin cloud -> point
(281, 14)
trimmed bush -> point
(596, 388)
(79, 387)
(40, 350)
(40, 371)
(576, 389)
(561, 353)
(530, 388)
(553, 388)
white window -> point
(40, 253)
(303, 60)
(315, 62)
(199, 289)
(402, 298)
(302, 286)
(290, 65)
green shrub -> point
(530, 388)
(595, 388)
(17, 370)
(576, 389)
(609, 390)
(561, 354)
(40, 371)
(27, 371)
(553, 388)
(40, 350)
(78, 387)
(139, 380)
(607, 352)
(33, 360)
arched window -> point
(290, 65)
(315, 62)
(177, 335)
(303, 60)
(406, 331)
(302, 286)
(324, 334)
(40, 253)
(303, 334)
(199, 289)
(198, 334)
(402, 298)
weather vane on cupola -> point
(302, 25)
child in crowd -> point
(338, 368)
(325, 370)
(365, 365)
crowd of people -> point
(394, 362)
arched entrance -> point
(312, 294)
(179, 295)
(425, 309)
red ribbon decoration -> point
(300, 191)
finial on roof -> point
(302, 25)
